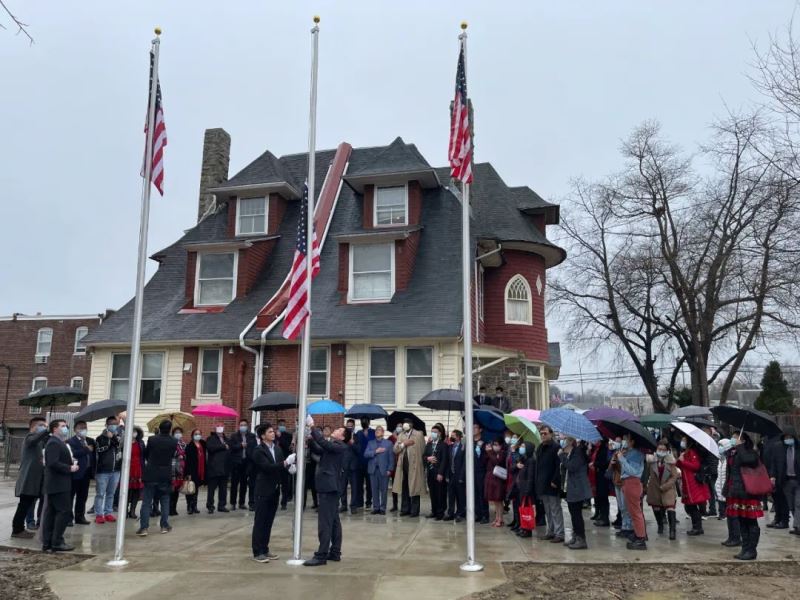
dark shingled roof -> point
(429, 307)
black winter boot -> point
(673, 523)
(734, 533)
(745, 534)
(697, 522)
(659, 515)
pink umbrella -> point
(215, 411)
(528, 413)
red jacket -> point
(693, 492)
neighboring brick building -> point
(41, 351)
(386, 306)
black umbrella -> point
(366, 411)
(619, 427)
(749, 419)
(274, 401)
(397, 418)
(445, 399)
(101, 410)
(54, 396)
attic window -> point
(216, 278)
(391, 206)
(371, 272)
(251, 216)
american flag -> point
(297, 310)
(460, 152)
(159, 133)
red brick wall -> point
(191, 268)
(277, 208)
(530, 339)
(369, 199)
(251, 261)
(17, 350)
(414, 203)
(405, 254)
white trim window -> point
(216, 278)
(371, 272)
(76, 382)
(518, 301)
(151, 377)
(210, 372)
(318, 372)
(120, 370)
(44, 341)
(252, 215)
(382, 375)
(391, 206)
(419, 373)
(38, 383)
(80, 333)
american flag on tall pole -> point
(460, 152)
(159, 135)
(298, 310)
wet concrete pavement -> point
(383, 557)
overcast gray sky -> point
(555, 86)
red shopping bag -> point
(527, 515)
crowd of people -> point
(390, 471)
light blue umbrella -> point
(570, 423)
(325, 407)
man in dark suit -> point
(160, 451)
(500, 402)
(784, 471)
(269, 465)
(329, 471)
(435, 457)
(217, 468)
(243, 442)
(482, 399)
(283, 438)
(456, 478)
(481, 505)
(360, 470)
(31, 475)
(58, 469)
(82, 448)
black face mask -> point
(454, 440)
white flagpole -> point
(133, 379)
(466, 270)
(305, 351)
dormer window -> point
(216, 278)
(371, 272)
(251, 216)
(391, 206)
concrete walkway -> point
(383, 557)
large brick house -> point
(386, 324)
(38, 351)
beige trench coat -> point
(412, 454)
(662, 492)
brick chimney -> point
(214, 169)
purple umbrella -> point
(606, 412)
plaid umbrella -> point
(570, 423)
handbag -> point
(756, 480)
(500, 472)
(527, 515)
(188, 488)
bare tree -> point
(21, 27)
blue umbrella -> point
(366, 411)
(570, 423)
(325, 407)
(491, 420)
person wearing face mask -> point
(500, 402)
(31, 475)
(662, 493)
(380, 463)
(283, 438)
(160, 453)
(178, 471)
(548, 485)
(734, 533)
(350, 457)
(59, 468)
(217, 469)
(361, 475)
(409, 478)
(511, 488)
(456, 476)
(195, 468)
(574, 459)
(109, 466)
(695, 492)
(494, 484)
(631, 462)
(526, 481)
(242, 443)
(135, 481)
(598, 463)
(435, 457)
(739, 504)
(82, 448)
(784, 470)
(481, 505)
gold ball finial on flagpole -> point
(316, 19)
(464, 25)
(157, 30)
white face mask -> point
(406, 426)
(219, 429)
(178, 435)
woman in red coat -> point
(694, 487)
(494, 487)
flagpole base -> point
(117, 563)
(471, 566)
(295, 562)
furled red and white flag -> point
(460, 152)
(159, 133)
(297, 310)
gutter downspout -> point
(258, 358)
